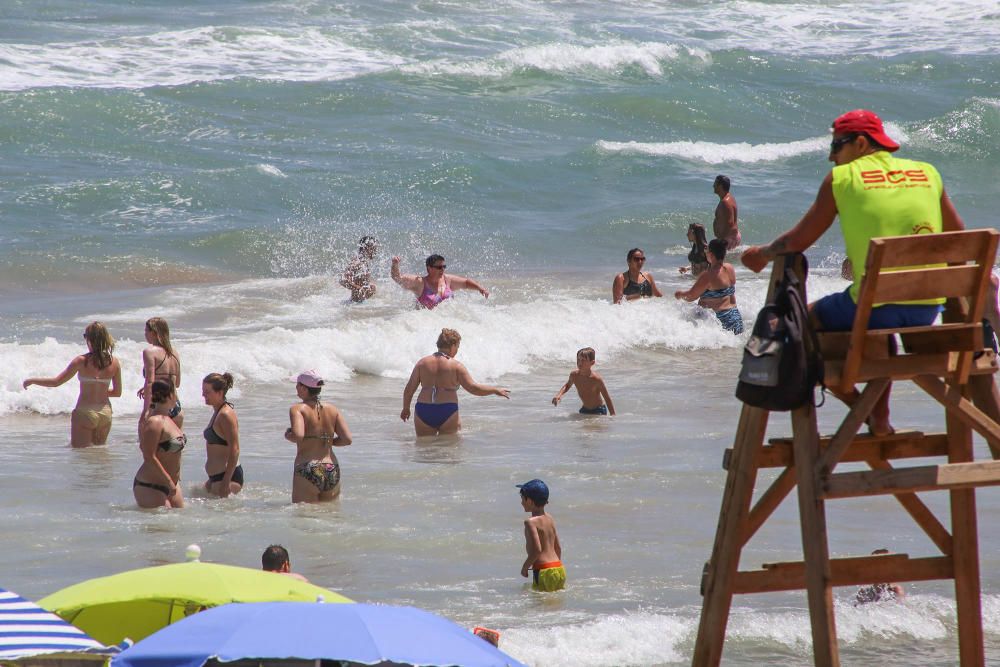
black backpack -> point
(779, 372)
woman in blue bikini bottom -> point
(435, 414)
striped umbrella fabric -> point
(28, 630)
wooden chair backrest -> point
(953, 265)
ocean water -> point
(215, 162)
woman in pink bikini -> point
(436, 286)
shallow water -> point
(214, 164)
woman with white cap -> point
(316, 429)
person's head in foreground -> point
(275, 559)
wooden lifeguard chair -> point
(940, 360)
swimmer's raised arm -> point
(409, 281)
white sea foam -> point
(828, 30)
(631, 639)
(716, 153)
(209, 53)
(270, 170)
(563, 57)
(263, 339)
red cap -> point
(863, 120)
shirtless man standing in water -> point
(724, 226)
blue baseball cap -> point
(535, 490)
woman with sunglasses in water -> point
(436, 286)
(100, 377)
(634, 283)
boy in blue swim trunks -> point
(541, 540)
(589, 385)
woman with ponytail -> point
(222, 438)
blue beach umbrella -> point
(28, 631)
(358, 634)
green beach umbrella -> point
(137, 603)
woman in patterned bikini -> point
(316, 429)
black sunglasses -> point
(837, 144)
(638, 259)
(442, 267)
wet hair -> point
(368, 244)
(158, 326)
(219, 381)
(313, 391)
(273, 558)
(700, 238)
(433, 259)
(161, 391)
(722, 181)
(587, 353)
(718, 248)
(102, 345)
(448, 338)
(631, 254)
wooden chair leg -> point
(814, 541)
(965, 543)
(986, 397)
(720, 572)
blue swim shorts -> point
(836, 313)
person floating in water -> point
(437, 285)
(725, 224)
(589, 385)
(357, 275)
(541, 540)
(716, 289)
(439, 376)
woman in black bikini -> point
(699, 246)
(222, 438)
(634, 283)
(160, 362)
(316, 429)
(157, 482)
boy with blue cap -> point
(540, 539)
